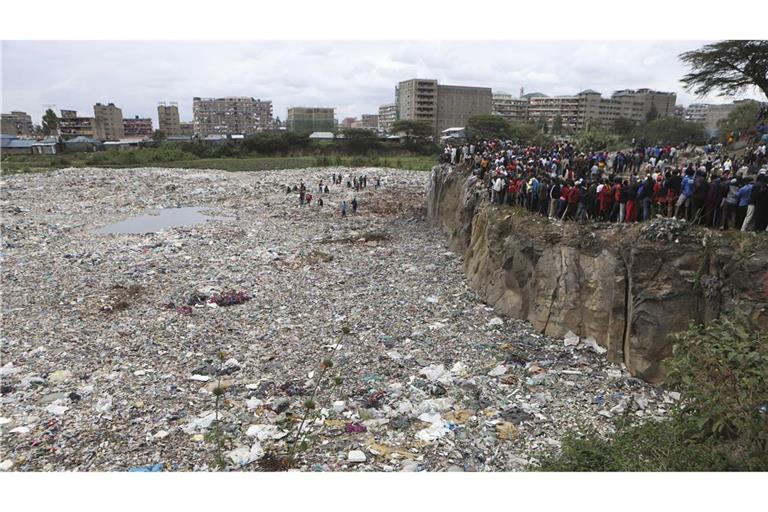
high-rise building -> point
(108, 122)
(417, 101)
(441, 106)
(138, 127)
(71, 125)
(168, 119)
(16, 123)
(514, 110)
(387, 116)
(233, 115)
(310, 119)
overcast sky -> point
(353, 77)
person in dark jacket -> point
(760, 196)
(712, 202)
(699, 197)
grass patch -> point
(15, 164)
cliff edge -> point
(630, 287)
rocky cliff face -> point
(628, 287)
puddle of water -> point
(157, 220)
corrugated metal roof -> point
(17, 143)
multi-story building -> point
(108, 122)
(514, 110)
(637, 104)
(417, 101)
(348, 122)
(138, 127)
(71, 125)
(548, 108)
(310, 119)
(168, 119)
(441, 106)
(456, 104)
(16, 123)
(232, 115)
(369, 122)
(387, 116)
(187, 129)
(586, 108)
(708, 114)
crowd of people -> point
(560, 182)
(352, 182)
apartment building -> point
(348, 122)
(16, 123)
(369, 122)
(108, 122)
(514, 110)
(168, 119)
(710, 115)
(387, 116)
(187, 129)
(366, 122)
(416, 100)
(307, 120)
(442, 106)
(71, 125)
(232, 115)
(581, 110)
(138, 127)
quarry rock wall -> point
(618, 284)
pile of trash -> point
(427, 378)
(664, 228)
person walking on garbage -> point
(354, 205)
(343, 209)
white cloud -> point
(353, 76)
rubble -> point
(99, 375)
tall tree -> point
(557, 125)
(729, 67)
(487, 126)
(50, 122)
(412, 128)
(744, 117)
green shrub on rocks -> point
(720, 423)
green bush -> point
(720, 424)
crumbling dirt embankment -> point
(629, 287)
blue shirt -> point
(688, 186)
(744, 193)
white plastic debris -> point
(104, 404)
(495, 322)
(356, 456)
(591, 342)
(253, 403)
(56, 408)
(242, 455)
(200, 424)
(264, 432)
(570, 339)
(437, 373)
(498, 371)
